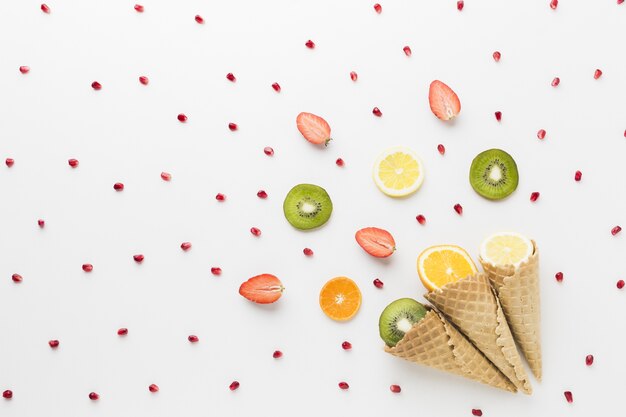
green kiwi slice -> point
(493, 174)
(398, 318)
(307, 206)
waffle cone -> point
(436, 343)
(518, 291)
(471, 304)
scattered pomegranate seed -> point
(441, 149)
(41, 223)
(9, 162)
(234, 385)
(276, 87)
(277, 354)
(620, 1)
(407, 50)
(73, 162)
(24, 69)
(344, 385)
(496, 56)
(307, 251)
(541, 134)
(255, 231)
(620, 284)
(553, 5)
(7, 394)
(17, 278)
(138, 258)
(378, 283)
(261, 194)
(353, 76)
(139, 8)
(395, 389)
(93, 396)
(185, 246)
(166, 176)
(45, 8)
(182, 117)
(122, 331)
(559, 276)
(421, 219)
(460, 4)
(498, 115)
(625, 133)
(589, 360)
(556, 81)
(477, 412)
(616, 230)
(458, 208)
(568, 396)
(378, 8)
(346, 345)
(578, 176)
(153, 388)
(597, 74)
(231, 77)
(310, 44)
(268, 151)
(534, 196)
(87, 267)
(220, 197)
(377, 112)
(144, 80)
(96, 85)
(118, 186)
(193, 338)
(216, 270)
(340, 162)
(232, 126)
(53, 343)
(199, 19)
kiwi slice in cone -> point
(307, 206)
(493, 174)
(398, 318)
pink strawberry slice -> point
(314, 129)
(444, 102)
(377, 242)
(262, 289)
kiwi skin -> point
(481, 167)
(403, 308)
(317, 197)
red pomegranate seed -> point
(340, 162)
(353, 76)
(7, 394)
(153, 388)
(441, 149)
(310, 44)
(9, 162)
(421, 219)
(378, 283)
(276, 87)
(261, 194)
(96, 85)
(216, 270)
(616, 230)
(234, 385)
(139, 8)
(232, 126)
(87, 267)
(395, 389)
(166, 176)
(460, 4)
(24, 69)
(199, 19)
(597, 74)
(220, 197)
(41, 223)
(625, 133)
(231, 77)
(122, 331)
(144, 80)
(16, 278)
(568, 396)
(377, 112)
(45, 8)
(307, 251)
(255, 231)
(182, 117)
(620, 284)
(498, 115)
(344, 385)
(620, 1)
(346, 345)
(53, 343)
(556, 81)
(118, 186)
(496, 56)
(578, 176)
(559, 276)
(458, 208)
(185, 246)
(553, 5)
(268, 151)
(407, 50)
(378, 8)
(534, 196)
(477, 412)
(138, 258)
(541, 134)
(277, 354)
(589, 360)
(73, 162)
(93, 396)
(193, 338)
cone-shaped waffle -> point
(436, 343)
(518, 291)
(471, 304)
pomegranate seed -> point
(8, 394)
(346, 345)
(310, 44)
(458, 208)
(625, 133)
(307, 251)
(556, 81)
(232, 126)
(597, 74)
(122, 331)
(216, 270)
(441, 149)
(41, 223)
(616, 230)
(378, 8)
(407, 50)
(277, 354)
(261, 194)
(553, 5)
(541, 134)
(395, 389)
(276, 87)
(139, 8)
(53, 344)
(193, 338)
(220, 197)
(153, 388)
(96, 85)
(353, 76)
(568, 396)
(17, 278)
(559, 276)
(199, 19)
(498, 115)
(460, 4)
(144, 80)
(496, 56)
(24, 69)
(231, 77)
(578, 176)
(589, 360)
(93, 396)
(182, 117)
(185, 246)
(118, 186)
(377, 112)
(268, 151)
(620, 1)
(421, 219)
(9, 162)
(344, 385)
(87, 267)
(534, 196)
(234, 385)
(73, 162)
(255, 231)
(378, 283)
(138, 258)
(477, 412)
(166, 176)
(620, 284)
(45, 8)
(340, 162)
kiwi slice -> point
(307, 206)
(493, 174)
(398, 318)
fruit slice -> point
(439, 265)
(493, 174)
(506, 248)
(307, 206)
(262, 289)
(314, 129)
(398, 172)
(377, 242)
(398, 318)
(444, 102)
(340, 298)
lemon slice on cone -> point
(440, 265)
(506, 248)
(398, 172)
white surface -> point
(128, 132)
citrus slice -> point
(440, 265)
(340, 298)
(398, 172)
(506, 248)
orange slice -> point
(439, 265)
(340, 298)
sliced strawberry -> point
(444, 102)
(377, 242)
(262, 289)
(313, 128)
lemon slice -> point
(398, 172)
(506, 248)
(440, 265)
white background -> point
(128, 132)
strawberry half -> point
(262, 289)
(444, 102)
(377, 242)
(314, 129)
